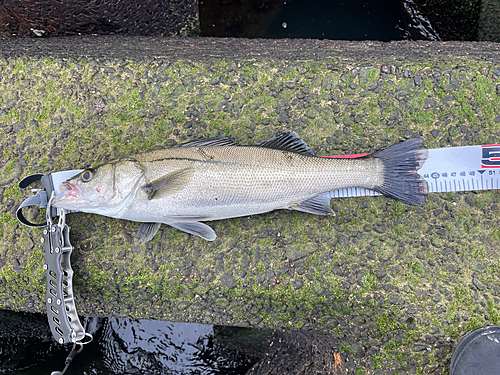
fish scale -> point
(238, 181)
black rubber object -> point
(478, 353)
(36, 200)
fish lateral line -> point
(188, 159)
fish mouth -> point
(67, 192)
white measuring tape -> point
(451, 169)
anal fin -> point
(317, 205)
(196, 228)
(146, 232)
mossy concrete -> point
(398, 284)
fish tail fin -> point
(401, 180)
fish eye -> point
(87, 175)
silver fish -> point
(213, 179)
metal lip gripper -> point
(61, 309)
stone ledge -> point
(382, 277)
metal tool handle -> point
(61, 310)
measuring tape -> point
(448, 170)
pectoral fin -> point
(168, 184)
(196, 228)
(318, 205)
(146, 232)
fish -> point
(215, 178)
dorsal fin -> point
(218, 141)
(287, 141)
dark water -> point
(351, 20)
(383, 20)
(120, 346)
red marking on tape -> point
(490, 156)
(353, 156)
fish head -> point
(103, 190)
